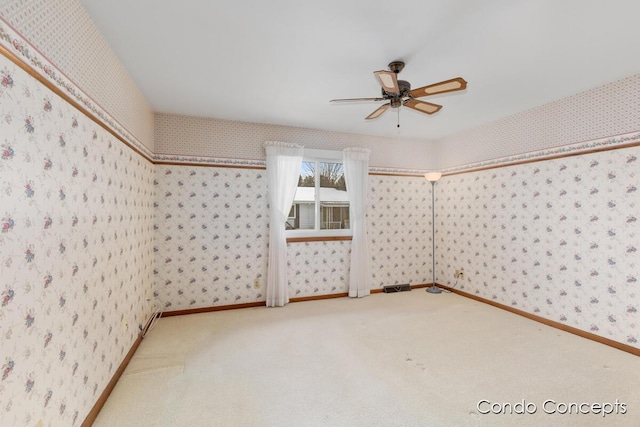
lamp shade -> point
(432, 176)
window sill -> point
(317, 239)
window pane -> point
(332, 176)
(304, 200)
(307, 175)
(334, 204)
(306, 219)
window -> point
(320, 206)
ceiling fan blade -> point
(446, 86)
(388, 80)
(379, 111)
(357, 99)
(421, 106)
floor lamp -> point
(432, 177)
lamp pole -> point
(433, 177)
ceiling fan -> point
(399, 93)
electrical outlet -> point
(456, 273)
(461, 276)
(125, 326)
(256, 283)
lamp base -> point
(433, 289)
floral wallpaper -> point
(76, 233)
(318, 268)
(211, 236)
(558, 239)
(400, 230)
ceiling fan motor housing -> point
(405, 88)
(396, 98)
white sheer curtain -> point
(356, 174)
(283, 169)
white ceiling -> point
(281, 61)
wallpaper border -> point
(19, 51)
(179, 160)
(615, 142)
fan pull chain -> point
(398, 117)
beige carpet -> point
(403, 359)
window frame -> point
(321, 156)
(295, 212)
